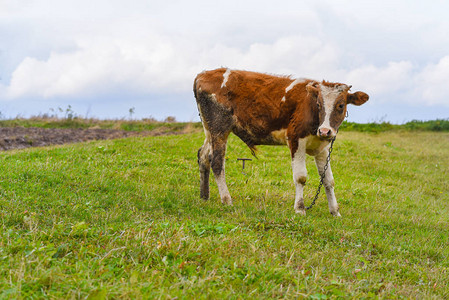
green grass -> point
(123, 219)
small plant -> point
(69, 113)
(170, 119)
(131, 112)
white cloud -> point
(432, 84)
(402, 82)
(101, 66)
(298, 55)
(161, 64)
(158, 64)
(95, 48)
(392, 78)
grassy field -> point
(123, 219)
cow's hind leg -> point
(218, 167)
(217, 122)
(204, 158)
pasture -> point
(123, 219)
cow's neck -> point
(309, 118)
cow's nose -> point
(324, 132)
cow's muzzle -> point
(326, 133)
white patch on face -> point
(225, 77)
(329, 95)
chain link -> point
(322, 175)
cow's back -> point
(258, 102)
(253, 97)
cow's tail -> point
(253, 150)
(246, 138)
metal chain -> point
(324, 171)
(322, 175)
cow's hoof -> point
(336, 214)
(299, 207)
(300, 212)
(227, 200)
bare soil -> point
(20, 137)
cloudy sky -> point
(104, 57)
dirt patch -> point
(20, 137)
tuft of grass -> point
(123, 219)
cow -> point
(263, 109)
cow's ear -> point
(312, 89)
(358, 98)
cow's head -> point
(331, 100)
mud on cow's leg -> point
(328, 181)
(217, 122)
(218, 167)
(204, 157)
(299, 175)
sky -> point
(103, 58)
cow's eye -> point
(341, 106)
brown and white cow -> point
(263, 109)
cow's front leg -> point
(328, 181)
(299, 175)
(218, 167)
